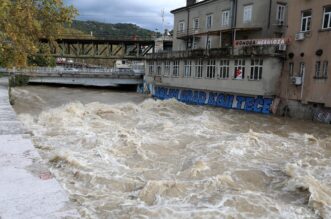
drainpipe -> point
(269, 18)
(234, 7)
(187, 27)
(234, 22)
(302, 84)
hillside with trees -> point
(115, 30)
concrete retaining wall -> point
(27, 188)
(298, 110)
(256, 104)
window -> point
(327, 18)
(305, 21)
(208, 43)
(187, 68)
(225, 18)
(195, 43)
(196, 23)
(198, 68)
(280, 16)
(181, 26)
(158, 68)
(256, 69)
(302, 69)
(209, 21)
(167, 65)
(318, 70)
(291, 68)
(175, 69)
(211, 69)
(239, 69)
(321, 73)
(151, 67)
(248, 13)
(224, 69)
(325, 69)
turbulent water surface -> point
(122, 155)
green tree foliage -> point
(24, 22)
(42, 60)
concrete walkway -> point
(27, 189)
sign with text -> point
(260, 42)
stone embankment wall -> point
(295, 109)
(27, 187)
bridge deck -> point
(107, 77)
(82, 75)
(105, 40)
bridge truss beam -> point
(100, 48)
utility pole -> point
(163, 20)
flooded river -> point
(123, 155)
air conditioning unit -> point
(296, 80)
(300, 36)
(282, 47)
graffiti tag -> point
(249, 104)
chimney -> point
(190, 2)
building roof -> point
(191, 6)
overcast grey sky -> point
(145, 13)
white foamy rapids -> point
(302, 178)
(165, 159)
(20, 93)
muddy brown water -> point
(123, 155)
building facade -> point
(213, 23)
(226, 53)
(305, 81)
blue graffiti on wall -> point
(249, 104)
(193, 97)
(166, 93)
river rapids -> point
(123, 155)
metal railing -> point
(47, 70)
(189, 32)
(194, 53)
(83, 36)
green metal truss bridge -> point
(100, 46)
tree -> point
(24, 22)
(44, 60)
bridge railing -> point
(73, 71)
(105, 37)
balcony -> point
(226, 52)
(196, 53)
(268, 50)
(182, 34)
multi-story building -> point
(213, 23)
(306, 82)
(226, 53)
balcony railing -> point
(196, 53)
(224, 52)
(269, 50)
(189, 32)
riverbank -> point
(27, 188)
